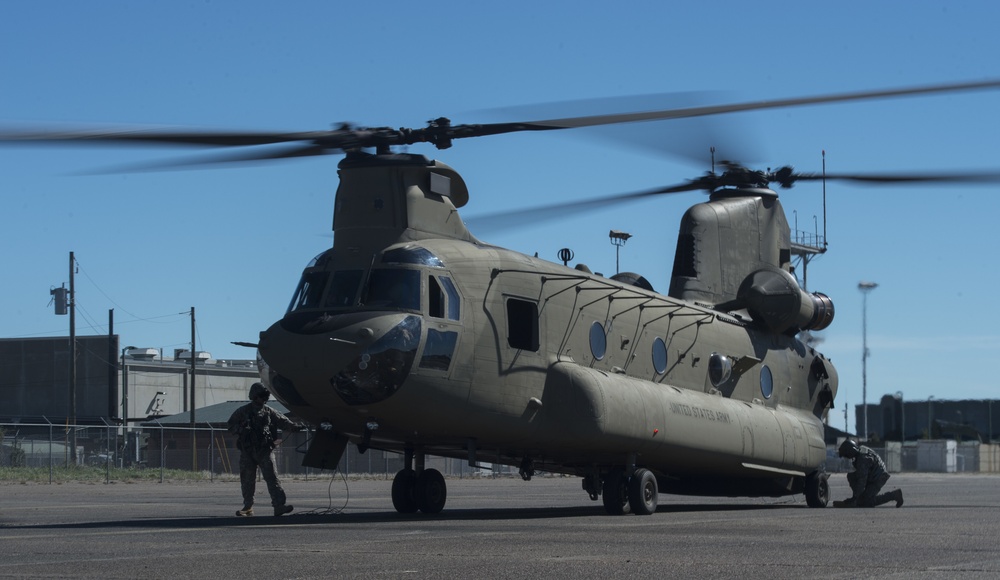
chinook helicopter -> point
(411, 335)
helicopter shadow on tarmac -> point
(324, 518)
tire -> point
(431, 492)
(817, 489)
(404, 487)
(643, 493)
(615, 493)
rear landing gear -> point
(643, 493)
(615, 493)
(638, 494)
(817, 489)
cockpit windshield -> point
(343, 289)
(394, 288)
(323, 289)
(389, 288)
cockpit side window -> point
(435, 298)
(442, 298)
(454, 303)
(394, 288)
(310, 291)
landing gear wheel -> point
(615, 493)
(404, 487)
(817, 489)
(643, 493)
(431, 492)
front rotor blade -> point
(439, 132)
(207, 138)
(573, 122)
(207, 162)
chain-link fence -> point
(212, 451)
(209, 450)
(934, 456)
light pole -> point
(618, 239)
(902, 416)
(865, 288)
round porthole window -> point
(659, 356)
(766, 382)
(720, 368)
(598, 341)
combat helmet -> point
(258, 390)
(849, 448)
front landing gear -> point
(404, 491)
(431, 491)
(421, 489)
(638, 494)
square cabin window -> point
(522, 324)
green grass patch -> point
(85, 474)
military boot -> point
(245, 512)
(895, 495)
(280, 510)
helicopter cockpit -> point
(386, 286)
(384, 303)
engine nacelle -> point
(772, 296)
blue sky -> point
(232, 242)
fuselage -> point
(442, 342)
(411, 334)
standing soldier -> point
(256, 428)
(867, 479)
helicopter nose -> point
(362, 358)
(379, 371)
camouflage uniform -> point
(256, 428)
(867, 479)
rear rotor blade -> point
(525, 217)
(914, 178)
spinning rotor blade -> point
(525, 217)
(164, 136)
(439, 132)
(207, 162)
(736, 178)
(893, 178)
(759, 105)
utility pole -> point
(112, 366)
(194, 443)
(72, 358)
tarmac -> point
(492, 528)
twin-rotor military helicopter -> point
(411, 335)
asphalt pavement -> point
(492, 528)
